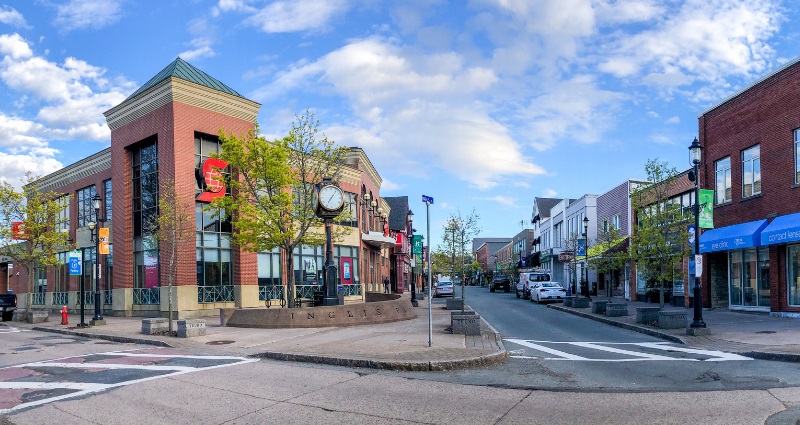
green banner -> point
(706, 198)
(416, 241)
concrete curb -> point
(628, 326)
(408, 366)
(778, 357)
(114, 338)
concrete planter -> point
(37, 316)
(568, 301)
(191, 327)
(599, 307)
(616, 309)
(466, 324)
(672, 319)
(580, 302)
(455, 303)
(155, 326)
(647, 315)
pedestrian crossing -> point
(5, 329)
(37, 383)
(613, 351)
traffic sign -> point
(75, 266)
(427, 199)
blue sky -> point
(481, 104)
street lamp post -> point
(586, 254)
(95, 236)
(695, 154)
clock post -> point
(330, 202)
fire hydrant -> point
(64, 320)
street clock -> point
(330, 199)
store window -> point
(751, 171)
(797, 156)
(722, 177)
(793, 265)
(749, 278)
(107, 198)
(85, 208)
(145, 217)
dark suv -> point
(500, 282)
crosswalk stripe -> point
(52, 386)
(621, 351)
(713, 355)
(546, 349)
(110, 366)
(720, 355)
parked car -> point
(547, 291)
(443, 288)
(500, 282)
(527, 277)
(8, 303)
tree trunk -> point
(290, 285)
(29, 298)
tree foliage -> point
(658, 243)
(458, 233)
(610, 258)
(273, 187)
(45, 226)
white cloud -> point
(14, 46)
(202, 43)
(14, 166)
(286, 15)
(500, 199)
(388, 185)
(549, 193)
(10, 16)
(653, 114)
(674, 120)
(77, 14)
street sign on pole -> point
(75, 263)
(428, 200)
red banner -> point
(18, 231)
(398, 239)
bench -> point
(647, 315)
(466, 324)
(672, 319)
(599, 307)
(155, 326)
(580, 302)
(191, 327)
(616, 309)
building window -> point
(749, 278)
(793, 266)
(107, 198)
(797, 156)
(722, 178)
(85, 207)
(751, 171)
(61, 283)
(350, 210)
(62, 222)
(145, 214)
(615, 221)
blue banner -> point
(74, 266)
(581, 249)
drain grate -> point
(766, 332)
(222, 342)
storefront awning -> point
(744, 235)
(377, 240)
(783, 229)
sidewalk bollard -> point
(64, 318)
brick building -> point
(751, 158)
(165, 132)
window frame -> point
(755, 162)
(725, 182)
(86, 213)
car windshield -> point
(550, 285)
(539, 277)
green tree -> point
(273, 188)
(658, 242)
(610, 258)
(44, 227)
(176, 223)
(571, 248)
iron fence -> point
(37, 298)
(60, 298)
(215, 294)
(352, 289)
(146, 296)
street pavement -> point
(404, 345)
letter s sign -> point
(212, 176)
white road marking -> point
(85, 389)
(714, 355)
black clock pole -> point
(331, 274)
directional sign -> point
(75, 266)
(427, 199)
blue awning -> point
(783, 229)
(744, 235)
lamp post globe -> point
(695, 156)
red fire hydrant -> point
(64, 320)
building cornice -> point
(72, 173)
(178, 90)
(359, 157)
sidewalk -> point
(756, 335)
(397, 346)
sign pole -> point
(428, 201)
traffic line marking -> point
(713, 355)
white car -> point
(547, 291)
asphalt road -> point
(553, 350)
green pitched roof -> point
(179, 68)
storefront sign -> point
(706, 218)
(213, 182)
(18, 231)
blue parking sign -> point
(75, 266)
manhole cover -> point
(765, 332)
(223, 342)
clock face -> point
(331, 198)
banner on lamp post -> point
(416, 242)
(103, 238)
(706, 210)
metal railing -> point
(270, 292)
(37, 298)
(146, 296)
(215, 294)
(60, 298)
(107, 298)
(88, 298)
(352, 289)
(306, 291)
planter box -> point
(672, 319)
(191, 327)
(455, 303)
(37, 316)
(155, 326)
(599, 307)
(568, 301)
(616, 310)
(647, 315)
(466, 324)
(580, 302)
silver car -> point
(443, 288)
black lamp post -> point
(95, 236)
(695, 154)
(410, 234)
(586, 247)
